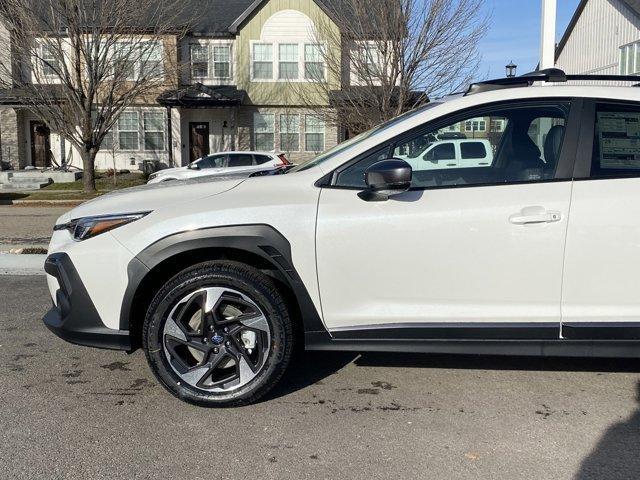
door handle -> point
(531, 215)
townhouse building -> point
(239, 63)
(603, 37)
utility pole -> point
(548, 34)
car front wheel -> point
(218, 334)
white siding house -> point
(602, 38)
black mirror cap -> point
(392, 175)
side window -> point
(212, 161)
(616, 146)
(240, 160)
(353, 176)
(472, 150)
(260, 159)
(440, 152)
(505, 144)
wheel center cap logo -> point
(217, 339)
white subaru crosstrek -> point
(223, 163)
(536, 254)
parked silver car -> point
(223, 163)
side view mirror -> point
(193, 166)
(385, 179)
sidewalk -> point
(11, 264)
(27, 226)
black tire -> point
(239, 277)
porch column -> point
(170, 137)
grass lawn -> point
(72, 191)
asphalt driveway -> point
(74, 412)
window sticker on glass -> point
(619, 134)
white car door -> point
(475, 250)
(601, 294)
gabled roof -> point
(331, 7)
(214, 17)
(634, 6)
(219, 18)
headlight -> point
(87, 227)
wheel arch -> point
(260, 246)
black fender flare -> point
(258, 239)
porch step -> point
(20, 186)
(31, 179)
(18, 180)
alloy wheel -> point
(216, 339)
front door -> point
(198, 140)
(40, 145)
(479, 248)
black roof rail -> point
(549, 75)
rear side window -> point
(616, 146)
(472, 150)
(260, 159)
(240, 160)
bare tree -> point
(394, 55)
(79, 63)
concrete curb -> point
(48, 202)
(12, 264)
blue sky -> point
(514, 34)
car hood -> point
(172, 171)
(154, 196)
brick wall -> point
(9, 137)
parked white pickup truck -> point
(451, 153)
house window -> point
(314, 129)
(263, 61)
(144, 60)
(630, 59)
(107, 141)
(264, 128)
(199, 61)
(497, 125)
(123, 61)
(370, 60)
(50, 63)
(475, 125)
(151, 65)
(128, 134)
(313, 63)
(290, 133)
(153, 124)
(222, 61)
(288, 61)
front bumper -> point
(74, 318)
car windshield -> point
(341, 147)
